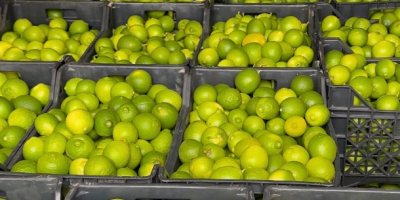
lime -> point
(79, 146)
(52, 163)
(99, 165)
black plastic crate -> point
(93, 13)
(120, 13)
(39, 187)
(325, 46)
(341, 97)
(35, 11)
(220, 12)
(312, 193)
(282, 78)
(158, 191)
(160, 75)
(346, 10)
(368, 138)
(284, 3)
(362, 9)
(32, 74)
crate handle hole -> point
(159, 13)
(67, 14)
(270, 83)
(3, 194)
(270, 14)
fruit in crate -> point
(260, 41)
(19, 106)
(157, 40)
(377, 37)
(253, 132)
(117, 126)
(46, 42)
(377, 83)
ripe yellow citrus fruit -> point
(254, 37)
(79, 122)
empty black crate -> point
(160, 75)
(158, 191)
(282, 78)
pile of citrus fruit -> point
(46, 42)
(379, 39)
(377, 83)
(110, 127)
(19, 107)
(253, 132)
(154, 41)
(260, 41)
